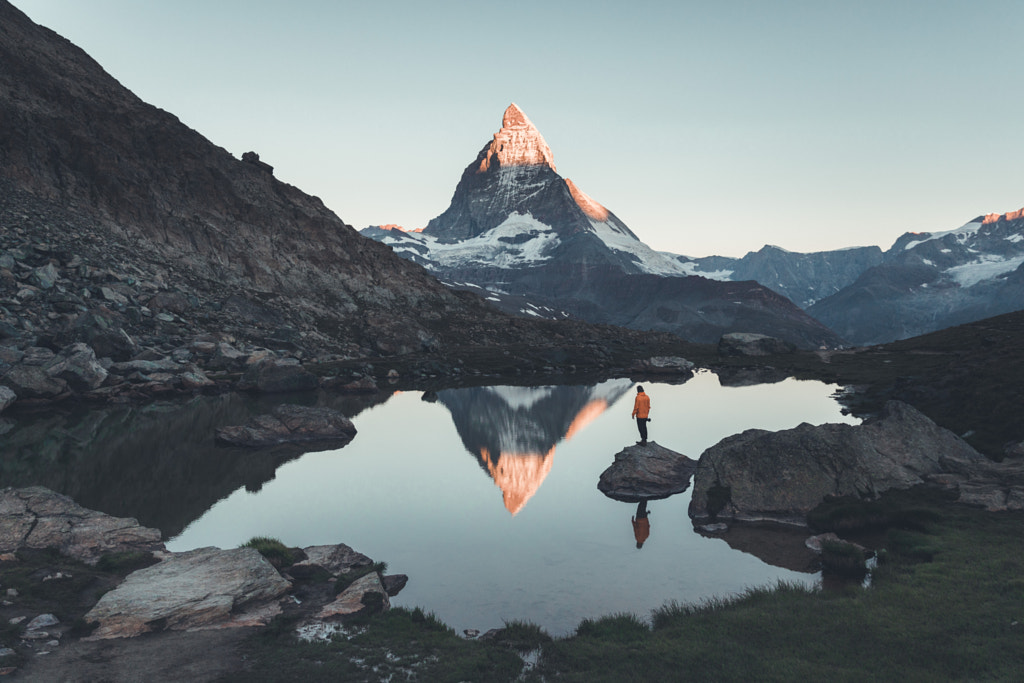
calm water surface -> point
(487, 498)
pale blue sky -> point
(708, 127)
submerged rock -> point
(290, 424)
(646, 473)
(201, 588)
(781, 476)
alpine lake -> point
(486, 497)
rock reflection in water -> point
(774, 544)
(513, 431)
(157, 463)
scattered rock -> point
(42, 621)
(646, 473)
(38, 518)
(751, 344)
(187, 591)
(290, 424)
(781, 476)
(7, 397)
(33, 382)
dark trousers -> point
(641, 424)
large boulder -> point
(38, 518)
(290, 424)
(201, 588)
(77, 365)
(781, 476)
(366, 595)
(751, 344)
(647, 472)
(33, 382)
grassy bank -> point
(946, 603)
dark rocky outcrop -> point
(37, 518)
(648, 472)
(781, 476)
(288, 424)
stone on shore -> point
(7, 397)
(366, 595)
(781, 476)
(203, 588)
(38, 518)
(646, 472)
(334, 559)
(290, 424)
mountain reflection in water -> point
(405, 492)
(513, 431)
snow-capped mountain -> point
(516, 228)
(928, 281)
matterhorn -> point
(531, 241)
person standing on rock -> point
(642, 411)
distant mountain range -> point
(924, 282)
(537, 243)
(532, 242)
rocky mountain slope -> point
(516, 227)
(124, 229)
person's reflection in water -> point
(641, 525)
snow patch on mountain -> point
(987, 267)
(961, 233)
(693, 268)
(647, 259)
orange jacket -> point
(642, 405)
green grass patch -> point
(276, 552)
(126, 562)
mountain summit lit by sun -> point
(518, 143)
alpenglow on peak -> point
(518, 143)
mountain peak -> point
(518, 143)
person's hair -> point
(640, 389)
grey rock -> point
(145, 367)
(37, 518)
(32, 382)
(647, 472)
(290, 424)
(38, 355)
(7, 397)
(191, 590)
(336, 559)
(77, 365)
(225, 357)
(45, 277)
(358, 598)
(781, 476)
(42, 621)
(751, 344)
(277, 376)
